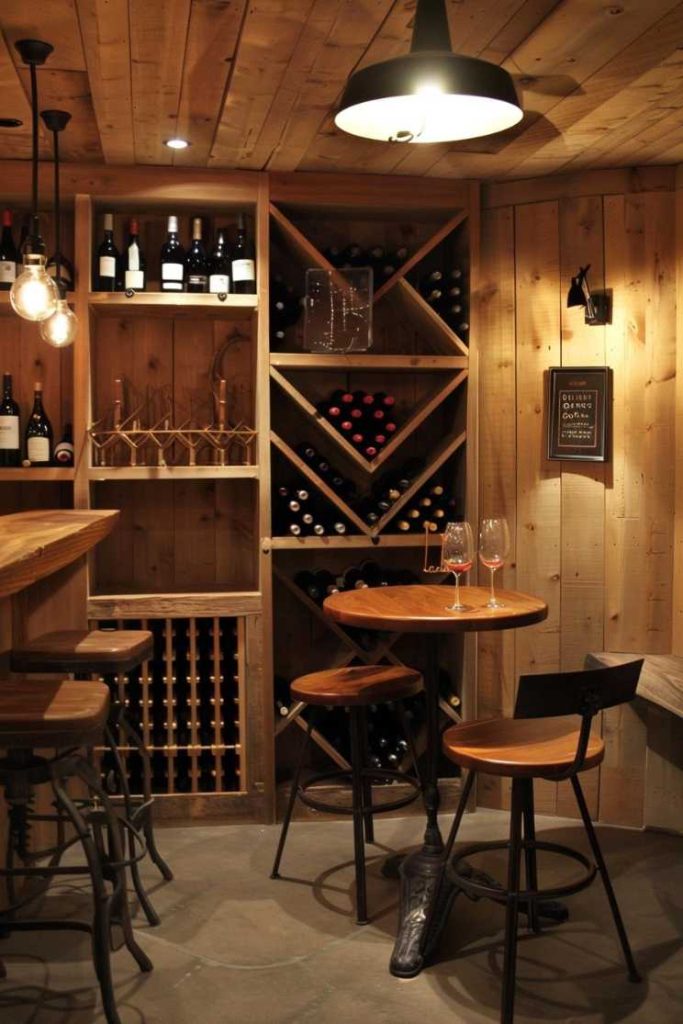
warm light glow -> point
(176, 143)
(61, 328)
(34, 294)
(429, 116)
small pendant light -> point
(61, 327)
(34, 294)
(431, 94)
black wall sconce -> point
(598, 305)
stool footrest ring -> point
(478, 890)
(377, 775)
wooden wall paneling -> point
(496, 681)
(105, 31)
(620, 181)
(640, 266)
(583, 483)
(194, 540)
(677, 609)
(538, 481)
(158, 34)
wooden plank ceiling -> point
(255, 84)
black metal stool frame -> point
(545, 696)
(105, 862)
(362, 809)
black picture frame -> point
(579, 413)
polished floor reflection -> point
(237, 948)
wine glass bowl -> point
(457, 557)
(494, 548)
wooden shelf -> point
(367, 363)
(235, 307)
(420, 253)
(208, 604)
(306, 252)
(27, 475)
(384, 540)
(430, 324)
(173, 473)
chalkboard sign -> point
(579, 413)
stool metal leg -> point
(367, 782)
(358, 844)
(275, 872)
(530, 853)
(145, 902)
(512, 909)
(606, 881)
(147, 821)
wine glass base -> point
(456, 608)
(494, 603)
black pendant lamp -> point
(34, 294)
(59, 329)
(431, 94)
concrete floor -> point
(237, 948)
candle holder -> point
(426, 567)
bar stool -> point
(540, 742)
(71, 715)
(107, 653)
(354, 689)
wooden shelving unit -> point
(439, 418)
(194, 554)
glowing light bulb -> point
(61, 328)
(34, 294)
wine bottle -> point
(107, 257)
(64, 451)
(134, 277)
(10, 448)
(219, 266)
(242, 265)
(196, 276)
(38, 431)
(430, 286)
(352, 256)
(333, 255)
(383, 400)
(9, 257)
(172, 259)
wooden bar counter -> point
(43, 577)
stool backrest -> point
(577, 693)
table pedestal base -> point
(421, 920)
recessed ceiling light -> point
(10, 122)
(176, 143)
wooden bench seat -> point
(65, 713)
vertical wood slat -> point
(583, 483)
(497, 460)
(537, 289)
(168, 676)
(145, 696)
(677, 610)
(219, 708)
(194, 704)
(242, 765)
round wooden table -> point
(424, 609)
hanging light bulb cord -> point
(35, 226)
(57, 207)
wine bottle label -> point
(243, 270)
(219, 283)
(38, 449)
(9, 433)
(197, 280)
(134, 279)
(171, 271)
(8, 271)
(107, 266)
(64, 452)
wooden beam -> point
(105, 32)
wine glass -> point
(457, 555)
(494, 547)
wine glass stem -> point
(493, 595)
(457, 588)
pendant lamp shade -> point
(430, 94)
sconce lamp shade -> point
(576, 295)
(429, 97)
(431, 94)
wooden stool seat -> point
(520, 747)
(52, 714)
(357, 686)
(82, 650)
